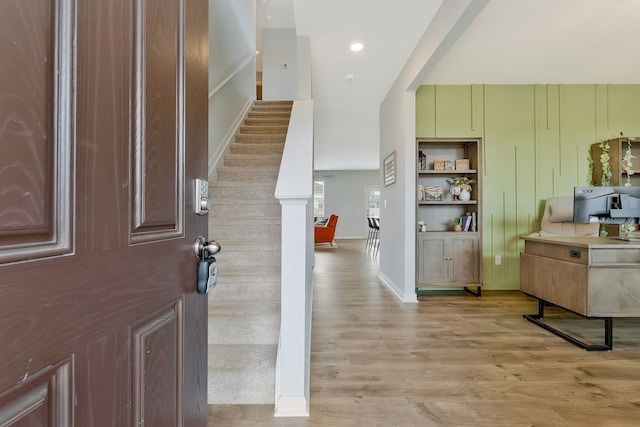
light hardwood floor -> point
(450, 360)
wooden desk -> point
(595, 277)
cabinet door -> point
(433, 262)
(464, 258)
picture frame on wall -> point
(390, 169)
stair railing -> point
(294, 189)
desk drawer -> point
(571, 254)
(559, 282)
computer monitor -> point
(607, 205)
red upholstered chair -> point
(325, 233)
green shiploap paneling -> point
(455, 111)
(426, 110)
(446, 111)
(619, 111)
(535, 145)
(547, 137)
(508, 188)
(577, 133)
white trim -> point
(413, 297)
(292, 407)
(243, 64)
(215, 159)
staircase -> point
(244, 307)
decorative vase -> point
(455, 192)
(465, 195)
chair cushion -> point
(562, 210)
(558, 219)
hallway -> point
(450, 360)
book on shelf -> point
(468, 222)
(465, 221)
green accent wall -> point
(536, 140)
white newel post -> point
(295, 192)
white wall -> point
(232, 70)
(304, 68)
(279, 64)
(345, 196)
(398, 133)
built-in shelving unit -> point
(446, 257)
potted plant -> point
(461, 187)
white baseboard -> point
(292, 407)
(399, 293)
(216, 159)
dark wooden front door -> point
(103, 129)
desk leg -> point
(477, 293)
(608, 330)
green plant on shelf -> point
(605, 159)
(464, 182)
(627, 165)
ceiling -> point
(510, 42)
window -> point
(373, 201)
(318, 199)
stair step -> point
(249, 147)
(224, 190)
(266, 121)
(247, 210)
(243, 174)
(252, 160)
(271, 109)
(257, 138)
(262, 130)
(260, 259)
(250, 198)
(242, 232)
(238, 283)
(271, 106)
(269, 113)
(241, 374)
(265, 102)
(250, 311)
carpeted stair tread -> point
(243, 278)
(239, 160)
(259, 138)
(241, 373)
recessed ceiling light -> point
(356, 46)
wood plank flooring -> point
(450, 360)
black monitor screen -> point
(610, 205)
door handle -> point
(207, 272)
(212, 247)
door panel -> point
(100, 323)
(434, 259)
(157, 134)
(464, 251)
(157, 344)
(35, 165)
(45, 402)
